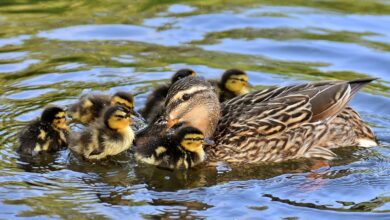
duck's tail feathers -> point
(357, 84)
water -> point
(54, 51)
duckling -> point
(49, 133)
(181, 150)
(155, 102)
(110, 135)
(90, 107)
(233, 83)
(274, 124)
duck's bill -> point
(171, 122)
(244, 90)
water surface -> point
(55, 51)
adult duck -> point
(275, 124)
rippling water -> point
(55, 50)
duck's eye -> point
(186, 97)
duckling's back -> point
(89, 108)
(154, 105)
(37, 136)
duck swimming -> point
(182, 149)
(154, 105)
(110, 135)
(49, 133)
(274, 124)
(90, 107)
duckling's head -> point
(123, 98)
(190, 138)
(235, 81)
(182, 73)
(192, 100)
(117, 117)
(55, 116)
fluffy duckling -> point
(154, 105)
(49, 133)
(181, 150)
(110, 135)
(90, 107)
(274, 124)
(233, 83)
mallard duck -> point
(182, 149)
(110, 135)
(233, 83)
(274, 124)
(90, 107)
(49, 133)
(155, 102)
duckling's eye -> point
(186, 97)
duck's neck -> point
(205, 117)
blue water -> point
(55, 51)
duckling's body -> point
(110, 135)
(233, 83)
(89, 108)
(181, 150)
(154, 106)
(49, 133)
(275, 124)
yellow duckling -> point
(49, 133)
(233, 83)
(181, 150)
(110, 135)
(90, 107)
(154, 105)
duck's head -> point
(190, 138)
(123, 98)
(235, 81)
(182, 73)
(117, 117)
(193, 101)
(55, 116)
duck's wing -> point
(283, 123)
(286, 107)
(273, 92)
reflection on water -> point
(55, 51)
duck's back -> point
(28, 137)
(89, 108)
(285, 123)
(37, 136)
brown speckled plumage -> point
(154, 106)
(278, 124)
